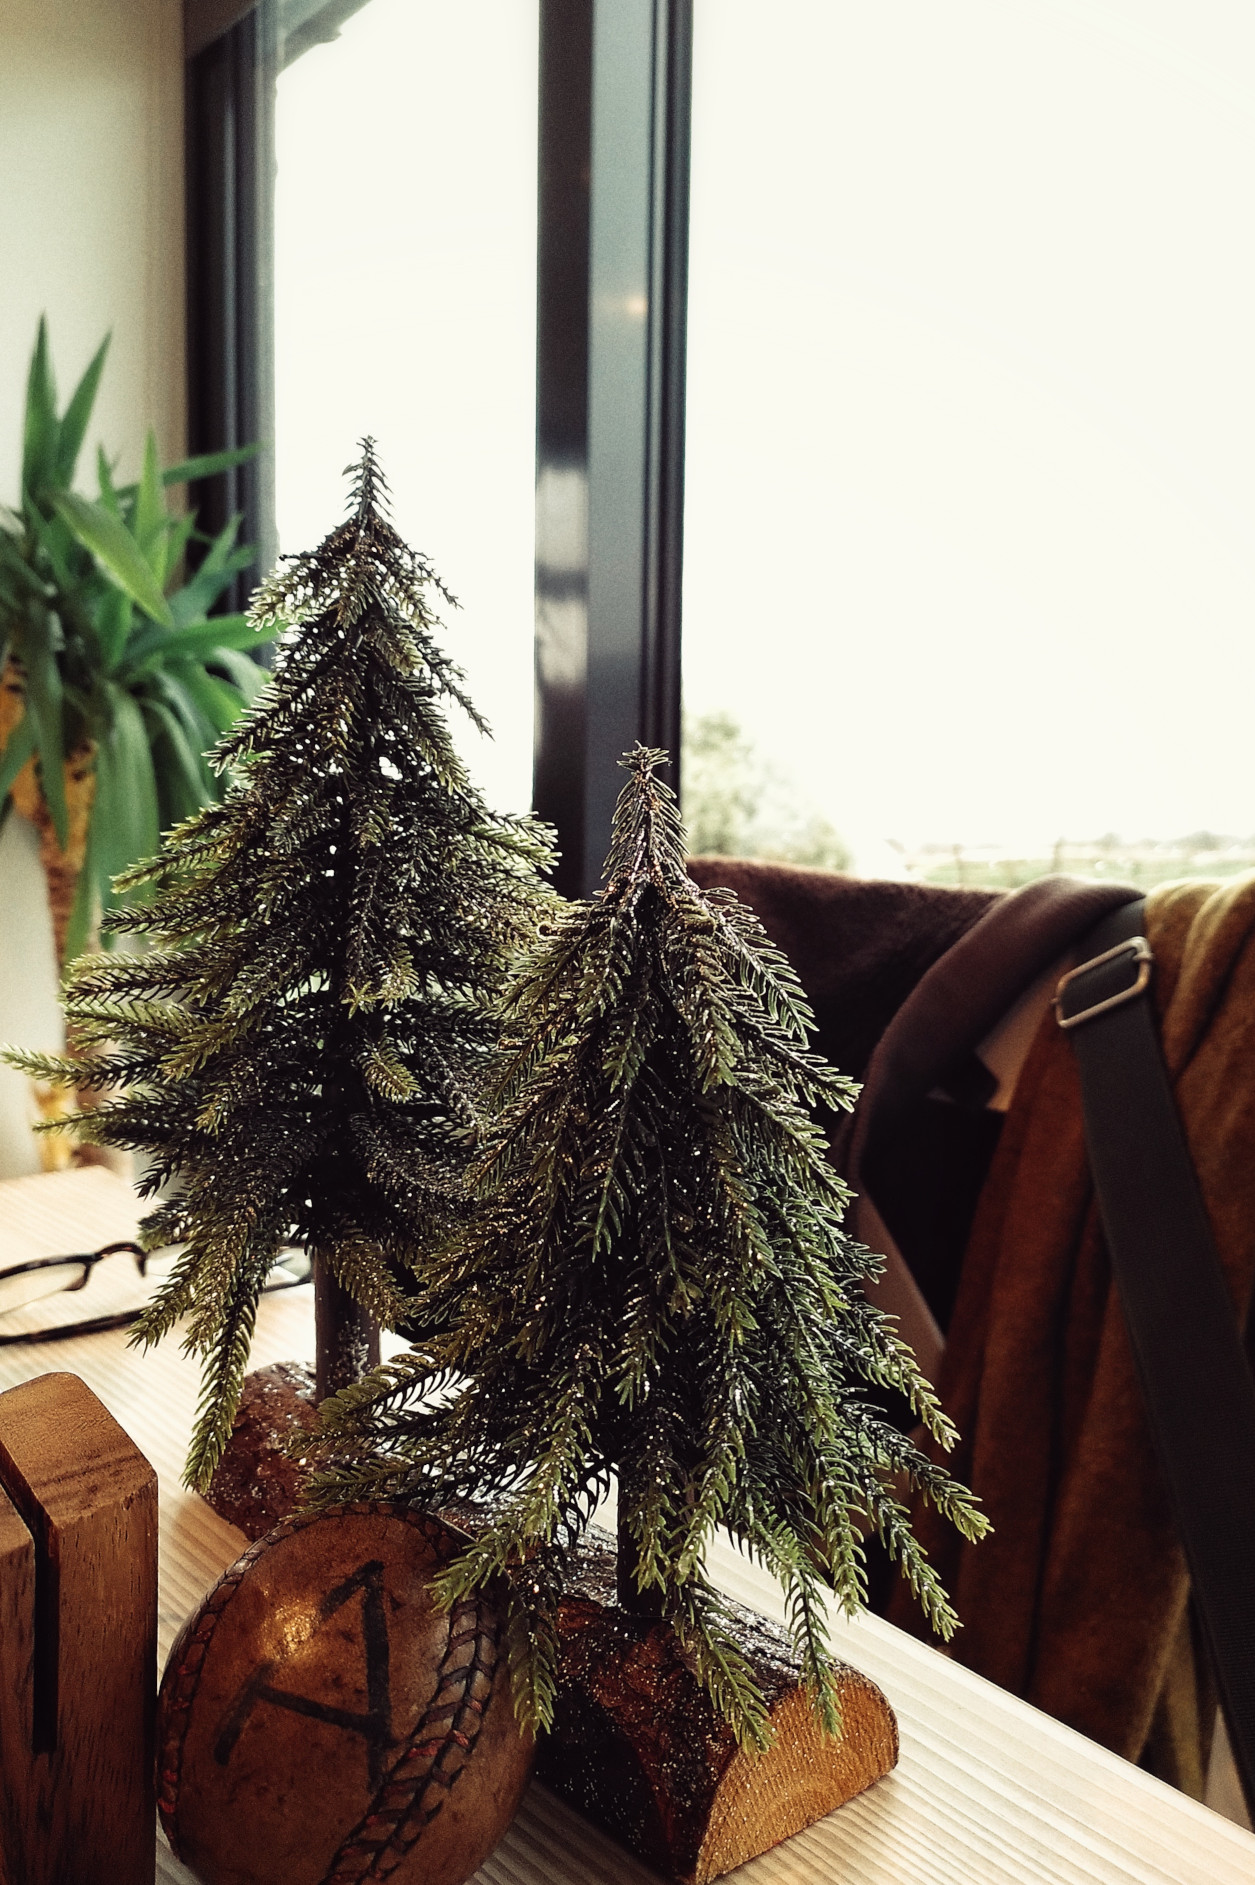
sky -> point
(970, 522)
(970, 532)
(405, 307)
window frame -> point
(612, 271)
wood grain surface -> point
(987, 1791)
(321, 1722)
(17, 1649)
(77, 1745)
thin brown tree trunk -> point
(641, 1603)
(62, 869)
(346, 1340)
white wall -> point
(91, 233)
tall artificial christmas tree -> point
(299, 1051)
(655, 1284)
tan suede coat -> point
(1078, 1602)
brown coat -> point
(1078, 1601)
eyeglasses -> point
(30, 1292)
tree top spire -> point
(369, 489)
(647, 837)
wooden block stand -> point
(635, 1746)
(78, 1641)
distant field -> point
(1141, 864)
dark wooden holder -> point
(78, 1641)
(635, 1746)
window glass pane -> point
(405, 307)
(970, 524)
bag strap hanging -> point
(1197, 1383)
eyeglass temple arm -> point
(88, 1259)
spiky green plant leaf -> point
(18, 749)
(45, 708)
(77, 417)
(209, 464)
(117, 551)
(125, 814)
(41, 433)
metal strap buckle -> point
(1138, 950)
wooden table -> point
(987, 1788)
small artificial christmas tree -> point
(655, 1283)
(300, 1048)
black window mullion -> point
(230, 245)
(610, 403)
(669, 237)
(562, 356)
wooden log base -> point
(78, 1641)
(257, 1482)
(637, 1749)
(322, 1723)
(635, 1745)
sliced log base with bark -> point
(257, 1481)
(635, 1746)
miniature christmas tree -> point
(655, 1283)
(300, 1048)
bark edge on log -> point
(636, 1747)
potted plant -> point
(114, 676)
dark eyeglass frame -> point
(97, 1325)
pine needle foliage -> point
(655, 1282)
(302, 1044)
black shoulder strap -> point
(1200, 1395)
